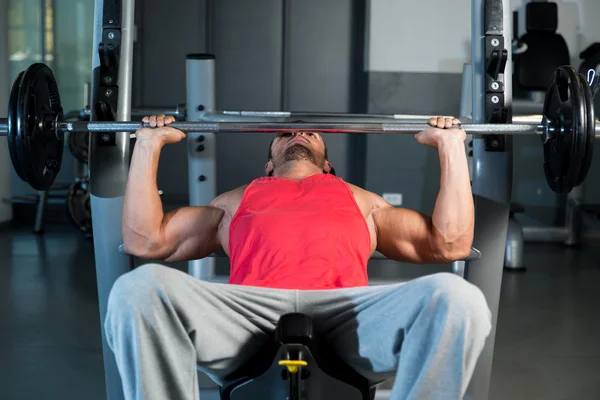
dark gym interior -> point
(342, 56)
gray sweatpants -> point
(163, 325)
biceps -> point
(191, 232)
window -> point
(58, 33)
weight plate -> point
(565, 145)
(38, 147)
(78, 205)
(79, 145)
(13, 127)
(590, 131)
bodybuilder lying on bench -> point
(298, 240)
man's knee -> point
(133, 292)
(455, 295)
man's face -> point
(307, 146)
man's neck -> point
(297, 170)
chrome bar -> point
(526, 126)
(179, 112)
(280, 118)
(324, 127)
(315, 115)
(235, 116)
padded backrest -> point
(541, 17)
(545, 52)
(545, 49)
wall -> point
(270, 55)
(166, 32)
(418, 40)
(415, 39)
(415, 62)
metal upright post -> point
(573, 216)
(109, 166)
(492, 173)
(202, 151)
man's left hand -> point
(440, 131)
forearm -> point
(453, 214)
(142, 209)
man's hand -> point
(160, 131)
(439, 132)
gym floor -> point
(547, 343)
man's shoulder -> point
(373, 198)
(228, 198)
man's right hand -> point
(160, 131)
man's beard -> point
(297, 152)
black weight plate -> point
(580, 131)
(590, 131)
(79, 145)
(13, 127)
(38, 147)
(565, 147)
(78, 205)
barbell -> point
(35, 128)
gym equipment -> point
(179, 112)
(491, 180)
(79, 141)
(36, 126)
(295, 365)
(513, 256)
(545, 50)
(78, 205)
(79, 145)
(567, 157)
(590, 57)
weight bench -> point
(296, 365)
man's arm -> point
(186, 233)
(448, 234)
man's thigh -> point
(355, 325)
(366, 327)
(227, 324)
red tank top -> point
(307, 234)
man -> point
(298, 240)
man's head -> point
(299, 146)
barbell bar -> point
(287, 127)
(35, 128)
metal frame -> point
(109, 167)
(569, 233)
(202, 147)
(492, 182)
